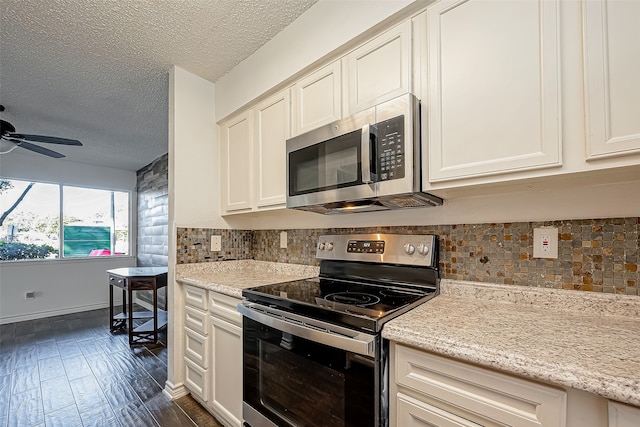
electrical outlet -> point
(30, 295)
(216, 243)
(545, 242)
(283, 240)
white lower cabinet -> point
(196, 348)
(414, 413)
(431, 390)
(225, 400)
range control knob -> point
(329, 246)
(321, 246)
(409, 248)
(423, 249)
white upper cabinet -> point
(493, 88)
(271, 132)
(236, 141)
(317, 99)
(612, 77)
(380, 69)
(621, 415)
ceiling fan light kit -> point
(10, 140)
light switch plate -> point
(545, 242)
(283, 240)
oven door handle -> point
(311, 329)
(365, 159)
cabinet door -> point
(486, 397)
(493, 87)
(235, 157)
(226, 367)
(316, 99)
(380, 69)
(195, 378)
(621, 415)
(612, 77)
(271, 132)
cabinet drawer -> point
(196, 348)
(195, 378)
(196, 320)
(493, 396)
(116, 281)
(413, 413)
(195, 297)
(225, 307)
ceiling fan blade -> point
(39, 150)
(46, 139)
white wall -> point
(324, 27)
(193, 192)
(193, 172)
(62, 286)
(59, 171)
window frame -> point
(61, 258)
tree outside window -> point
(94, 222)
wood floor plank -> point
(76, 367)
(102, 416)
(23, 379)
(25, 409)
(135, 414)
(71, 370)
(51, 367)
(56, 394)
(87, 393)
(65, 417)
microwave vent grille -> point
(414, 200)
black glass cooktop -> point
(352, 304)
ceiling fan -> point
(9, 140)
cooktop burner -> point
(365, 280)
(352, 298)
(347, 303)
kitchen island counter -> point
(580, 340)
(231, 277)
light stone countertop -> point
(231, 277)
(586, 341)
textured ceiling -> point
(97, 70)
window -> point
(40, 220)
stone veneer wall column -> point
(153, 220)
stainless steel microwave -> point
(367, 162)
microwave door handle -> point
(365, 157)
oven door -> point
(296, 373)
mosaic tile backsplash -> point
(599, 255)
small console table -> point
(137, 279)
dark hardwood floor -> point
(70, 371)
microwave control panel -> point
(390, 148)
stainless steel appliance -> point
(367, 162)
(313, 354)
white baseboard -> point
(50, 313)
(174, 391)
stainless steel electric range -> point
(312, 349)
